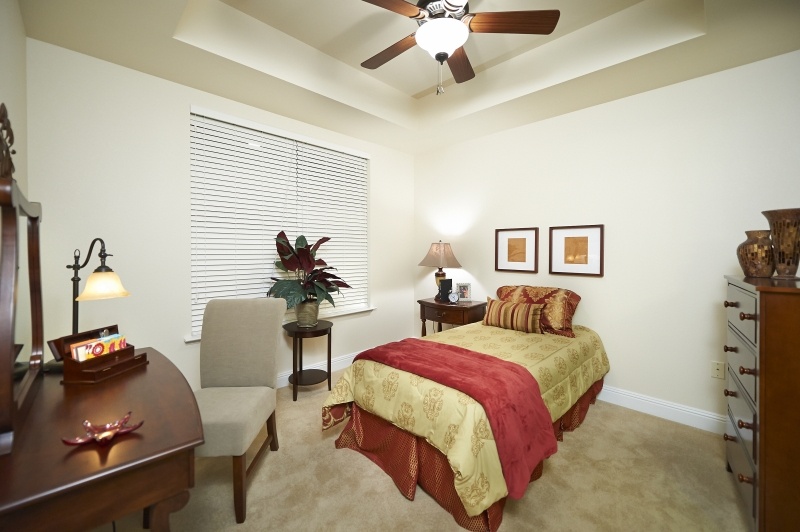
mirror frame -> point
(16, 400)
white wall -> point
(676, 175)
(110, 158)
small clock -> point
(453, 297)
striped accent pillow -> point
(522, 317)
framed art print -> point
(516, 250)
(576, 250)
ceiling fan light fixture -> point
(441, 36)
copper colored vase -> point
(755, 254)
(784, 226)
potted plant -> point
(312, 280)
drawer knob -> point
(728, 438)
(732, 304)
(747, 371)
(730, 349)
(729, 393)
(744, 425)
(744, 317)
(745, 480)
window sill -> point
(191, 339)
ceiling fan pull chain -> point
(439, 87)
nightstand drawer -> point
(454, 316)
(741, 311)
(743, 362)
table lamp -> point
(102, 283)
(440, 255)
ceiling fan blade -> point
(460, 66)
(541, 22)
(390, 53)
(400, 7)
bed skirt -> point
(410, 460)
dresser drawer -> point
(741, 304)
(742, 414)
(743, 362)
(743, 474)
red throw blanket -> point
(521, 425)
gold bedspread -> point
(563, 367)
(455, 423)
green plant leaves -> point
(312, 281)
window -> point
(247, 185)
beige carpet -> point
(621, 470)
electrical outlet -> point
(718, 370)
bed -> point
(428, 412)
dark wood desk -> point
(47, 485)
(460, 313)
(309, 376)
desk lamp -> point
(102, 283)
(440, 255)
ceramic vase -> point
(307, 313)
(755, 254)
(784, 227)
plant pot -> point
(307, 313)
(755, 254)
(784, 226)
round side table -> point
(310, 376)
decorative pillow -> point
(559, 305)
(523, 317)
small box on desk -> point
(98, 368)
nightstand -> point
(459, 313)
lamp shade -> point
(440, 256)
(102, 285)
(442, 35)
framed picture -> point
(464, 291)
(516, 250)
(576, 250)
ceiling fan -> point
(444, 27)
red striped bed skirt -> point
(410, 460)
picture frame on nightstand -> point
(464, 291)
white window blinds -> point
(247, 186)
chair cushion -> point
(232, 418)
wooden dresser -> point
(763, 391)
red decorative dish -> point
(103, 434)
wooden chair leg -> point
(239, 488)
(273, 445)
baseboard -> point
(685, 415)
(682, 414)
